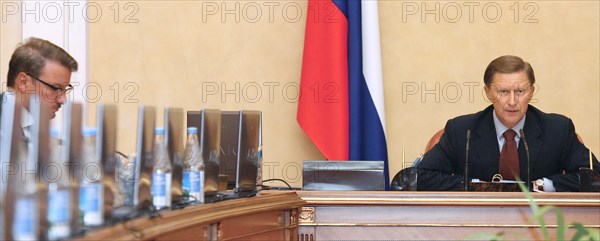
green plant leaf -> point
(485, 236)
(537, 213)
(561, 228)
(594, 234)
(580, 232)
(539, 217)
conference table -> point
(360, 215)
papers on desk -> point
(476, 180)
(495, 186)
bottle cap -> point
(159, 131)
(192, 130)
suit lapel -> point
(486, 146)
(533, 133)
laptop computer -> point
(230, 128)
(144, 152)
(247, 158)
(208, 121)
(174, 137)
(343, 175)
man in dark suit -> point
(555, 152)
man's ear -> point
(21, 82)
(488, 93)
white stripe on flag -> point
(372, 55)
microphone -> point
(528, 162)
(466, 180)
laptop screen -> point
(144, 150)
(106, 142)
(230, 128)
(210, 135)
(175, 143)
(248, 162)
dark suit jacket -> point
(555, 152)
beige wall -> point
(10, 36)
(173, 53)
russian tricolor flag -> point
(341, 91)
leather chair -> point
(434, 140)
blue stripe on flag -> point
(342, 5)
(367, 137)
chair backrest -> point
(434, 140)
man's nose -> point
(512, 98)
(61, 98)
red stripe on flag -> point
(323, 102)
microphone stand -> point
(528, 162)
(466, 176)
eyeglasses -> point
(520, 92)
(58, 90)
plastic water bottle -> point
(26, 210)
(193, 169)
(161, 172)
(25, 220)
(59, 194)
(91, 193)
(26, 213)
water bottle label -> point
(90, 204)
(89, 200)
(25, 221)
(192, 184)
(159, 190)
(185, 185)
(195, 182)
(58, 206)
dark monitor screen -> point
(230, 128)
(144, 150)
(248, 162)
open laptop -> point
(247, 161)
(343, 175)
(208, 121)
(106, 143)
(230, 133)
(174, 137)
(144, 152)
(247, 158)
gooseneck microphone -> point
(466, 181)
(528, 162)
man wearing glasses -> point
(40, 67)
(496, 146)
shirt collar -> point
(26, 122)
(501, 128)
